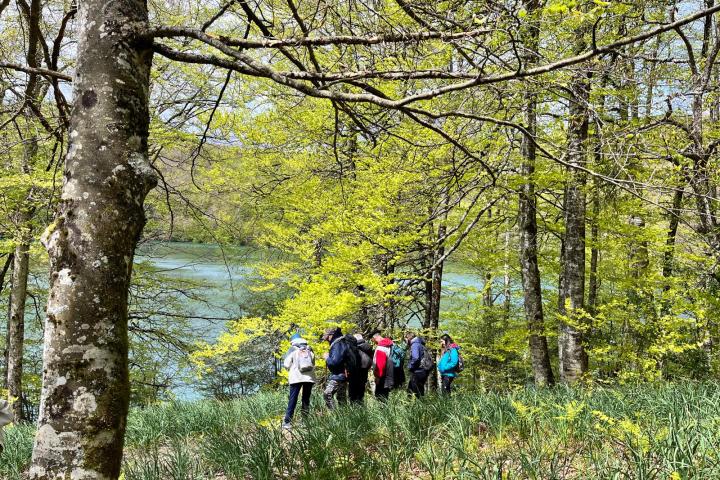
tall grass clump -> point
(15, 457)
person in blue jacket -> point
(418, 374)
(336, 361)
(449, 362)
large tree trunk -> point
(573, 360)
(91, 245)
(527, 222)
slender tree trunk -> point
(639, 260)
(6, 267)
(573, 359)
(91, 245)
(507, 288)
(487, 290)
(433, 297)
(18, 293)
(651, 79)
(667, 270)
(593, 283)
(527, 222)
(436, 282)
(9, 261)
(16, 325)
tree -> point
(527, 222)
(91, 246)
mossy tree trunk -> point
(91, 245)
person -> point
(300, 364)
(420, 364)
(398, 352)
(383, 368)
(337, 361)
(358, 382)
(449, 362)
(6, 418)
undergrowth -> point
(666, 431)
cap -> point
(329, 332)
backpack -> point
(365, 359)
(461, 363)
(398, 356)
(352, 354)
(427, 361)
(305, 360)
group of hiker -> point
(351, 358)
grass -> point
(666, 431)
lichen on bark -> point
(85, 389)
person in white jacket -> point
(6, 418)
(300, 363)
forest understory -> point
(661, 431)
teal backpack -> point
(398, 356)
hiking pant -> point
(447, 384)
(356, 386)
(399, 377)
(292, 401)
(416, 386)
(335, 388)
(381, 391)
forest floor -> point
(663, 431)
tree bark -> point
(573, 359)
(16, 325)
(436, 277)
(674, 222)
(8, 261)
(91, 245)
(433, 297)
(18, 293)
(527, 222)
(593, 280)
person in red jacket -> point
(383, 368)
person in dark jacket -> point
(336, 361)
(358, 382)
(383, 368)
(418, 374)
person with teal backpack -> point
(398, 351)
(451, 363)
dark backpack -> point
(365, 359)
(461, 363)
(427, 361)
(352, 354)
